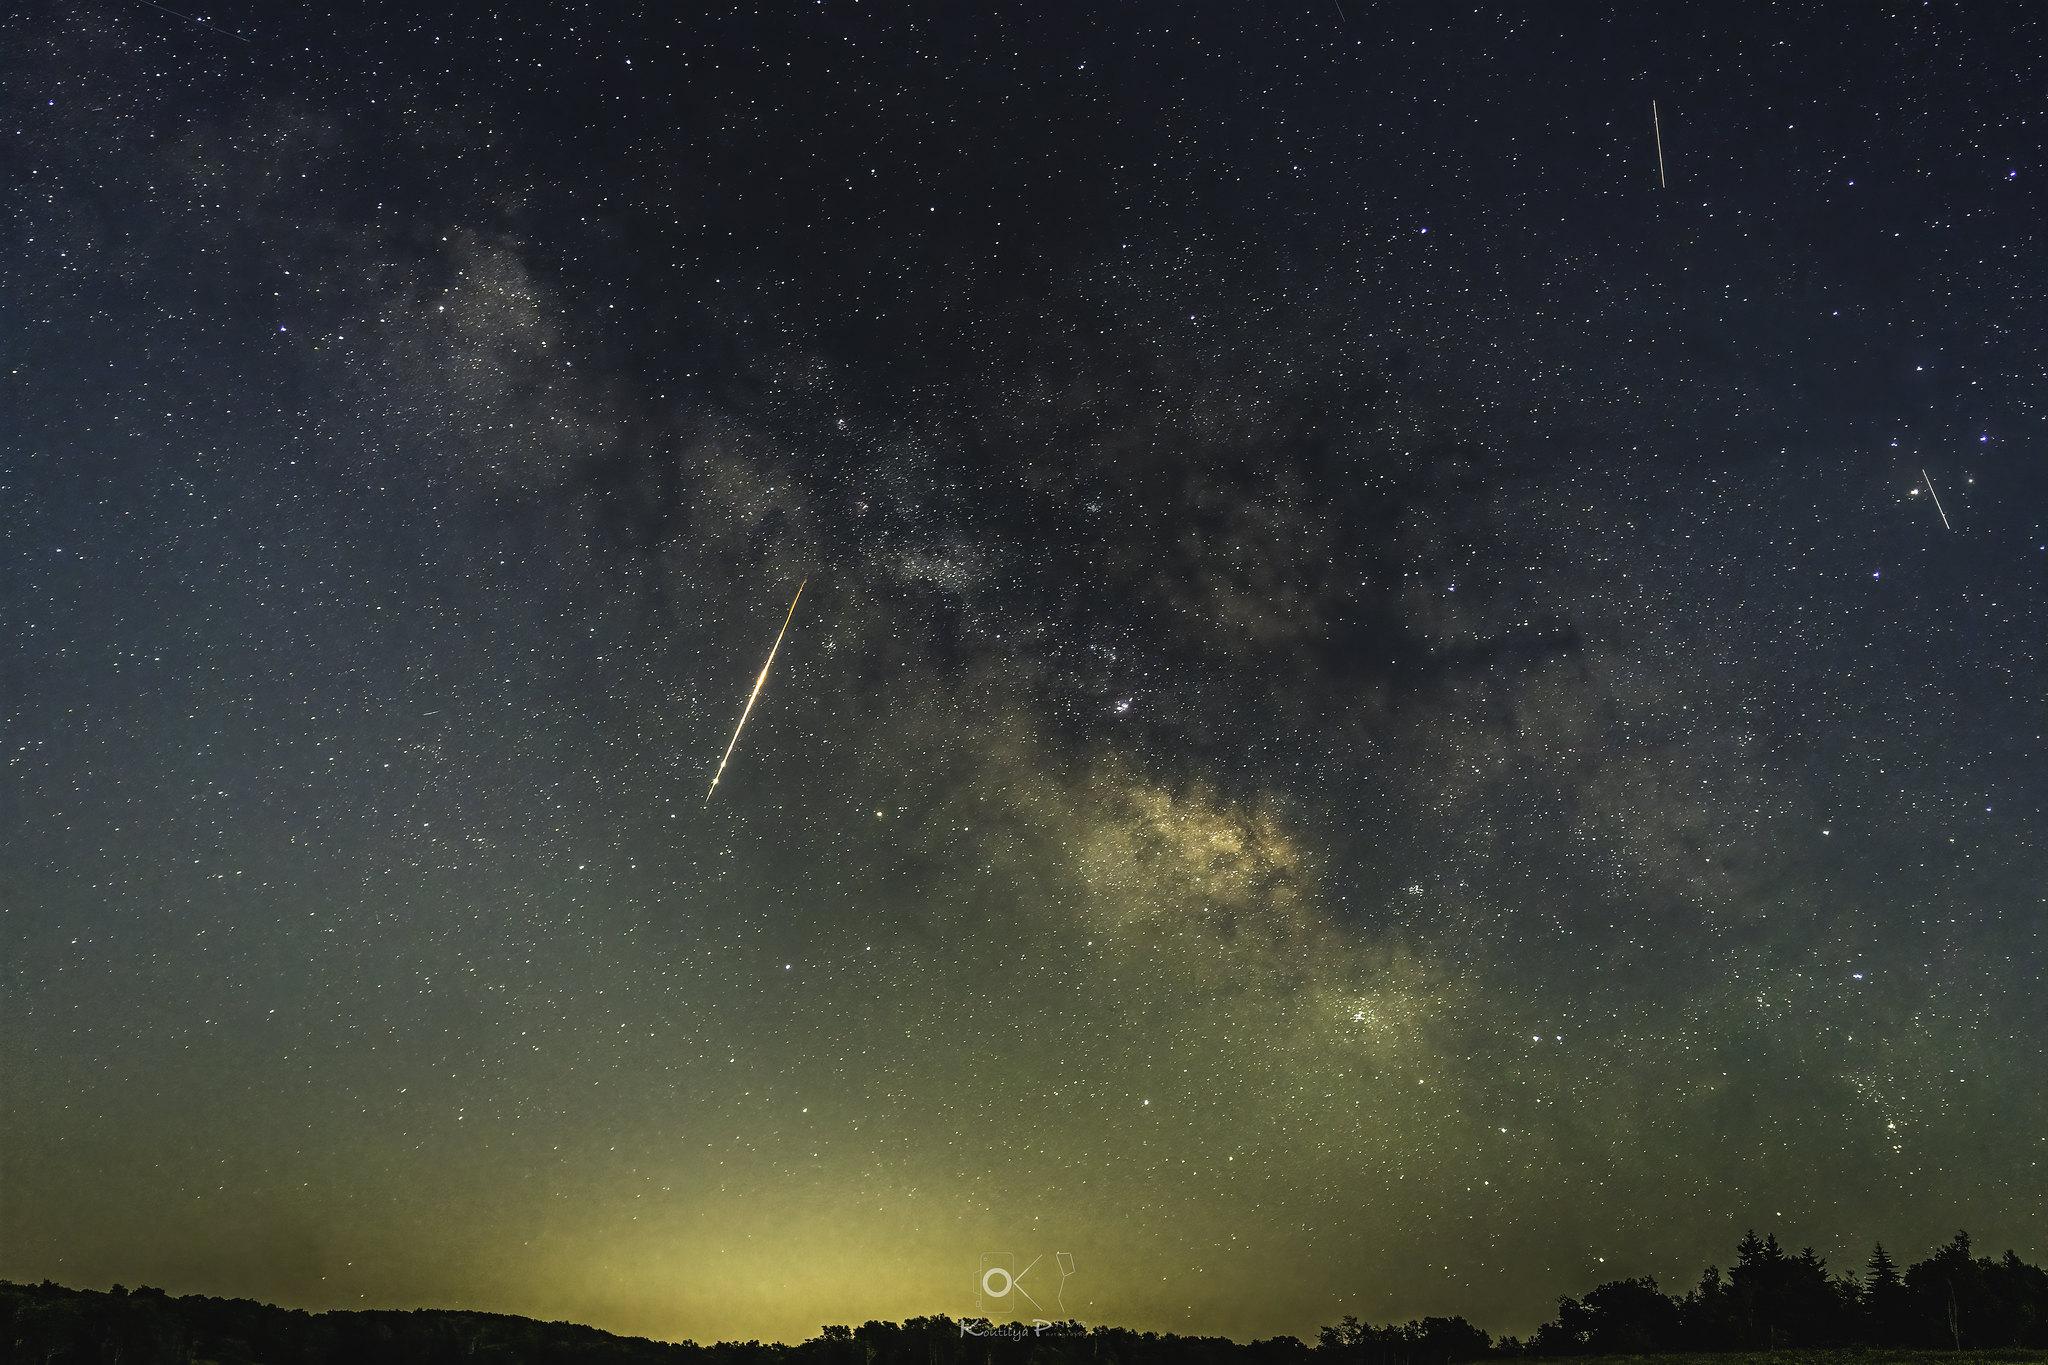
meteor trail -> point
(754, 695)
(1937, 502)
(193, 19)
(1657, 127)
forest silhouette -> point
(1771, 1299)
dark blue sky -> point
(1383, 721)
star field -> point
(1381, 723)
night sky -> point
(1383, 719)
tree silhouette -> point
(1952, 1299)
(1622, 1316)
(1884, 1307)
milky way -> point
(1377, 726)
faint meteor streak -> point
(754, 695)
(1937, 501)
(195, 19)
(1657, 127)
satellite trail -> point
(754, 695)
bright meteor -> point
(1937, 502)
(755, 695)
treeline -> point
(49, 1324)
(1772, 1299)
(1769, 1299)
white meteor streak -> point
(755, 695)
(1657, 126)
(1937, 502)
